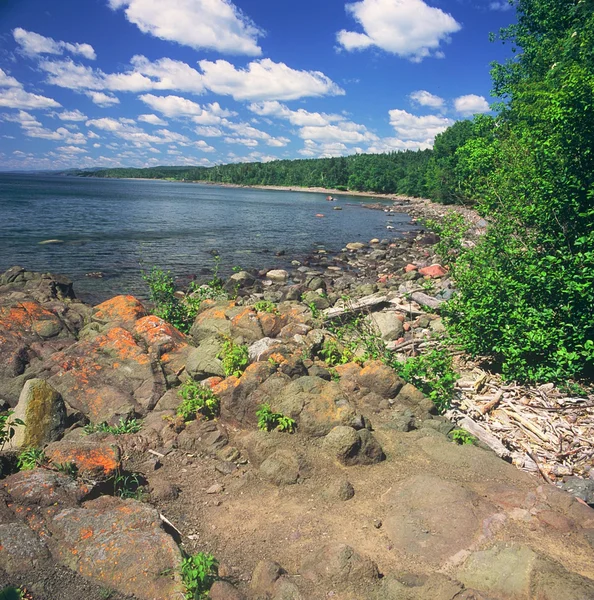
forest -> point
(526, 289)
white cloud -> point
(420, 129)
(72, 115)
(324, 150)
(7, 81)
(34, 129)
(346, 133)
(396, 144)
(300, 117)
(502, 6)
(471, 104)
(202, 145)
(424, 98)
(126, 130)
(92, 135)
(152, 120)
(103, 100)
(208, 131)
(246, 131)
(407, 28)
(212, 24)
(33, 44)
(249, 142)
(71, 149)
(265, 80)
(17, 97)
(176, 106)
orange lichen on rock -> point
(91, 459)
(120, 343)
(158, 333)
(125, 310)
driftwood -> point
(351, 307)
(485, 436)
(425, 300)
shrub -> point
(8, 427)
(433, 374)
(197, 399)
(235, 357)
(198, 573)
(266, 306)
(30, 458)
(268, 420)
(462, 437)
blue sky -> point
(88, 83)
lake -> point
(116, 227)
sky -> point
(139, 83)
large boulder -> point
(353, 447)
(43, 411)
(388, 324)
(120, 545)
(381, 379)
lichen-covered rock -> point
(119, 544)
(381, 379)
(21, 550)
(203, 361)
(120, 310)
(93, 460)
(43, 412)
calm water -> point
(115, 226)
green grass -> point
(124, 426)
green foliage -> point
(198, 573)
(197, 399)
(452, 229)
(8, 427)
(30, 458)
(462, 437)
(128, 485)
(235, 358)
(433, 374)
(67, 468)
(527, 288)
(11, 593)
(181, 312)
(266, 307)
(334, 353)
(268, 420)
(127, 425)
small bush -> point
(198, 573)
(268, 420)
(433, 374)
(462, 437)
(30, 458)
(124, 426)
(235, 358)
(197, 399)
(334, 353)
(266, 306)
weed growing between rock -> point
(197, 399)
(198, 573)
(235, 358)
(67, 468)
(266, 307)
(128, 485)
(462, 437)
(30, 458)
(124, 426)
(268, 420)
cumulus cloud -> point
(407, 28)
(207, 131)
(152, 120)
(324, 150)
(12, 95)
(471, 104)
(177, 106)
(72, 115)
(211, 24)
(265, 80)
(103, 100)
(33, 128)
(299, 117)
(246, 131)
(424, 98)
(502, 6)
(32, 44)
(346, 133)
(420, 129)
(126, 130)
(7, 81)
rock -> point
(223, 590)
(212, 322)
(517, 571)
(580, 488)
(120, 310)
(433, 519)
(388, 325)
(286, 590)
(21, 550)
(409, 586)
(216, 488)
(433, 271)
(355, 245)
(381, 379)
(40, 488)
(203, 362)
(203, 436)
(94, 460)
(44, 413)
(351, 447)
(257, 349)
(410, 267)
(278, 275)
(313, 298)
(265, 575)
(339, 563)
(339, 489)
(281, 468)
(118, 544)
(162, 490)
(412, 397)
(315, 404)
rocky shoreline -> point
(369, 498)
